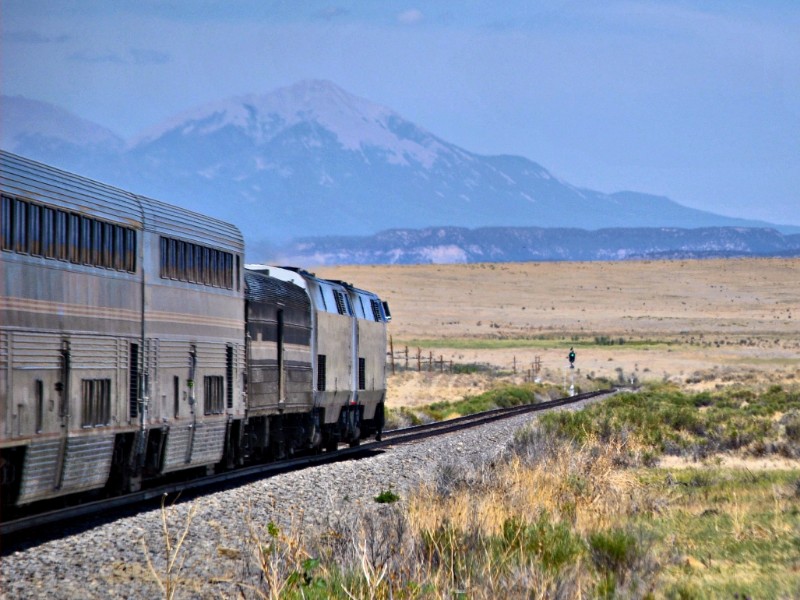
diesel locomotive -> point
(135, 344)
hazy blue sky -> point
(696, 100)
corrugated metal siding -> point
(206, 447)
(177, 448)
(174, 354)
(4, 350)
(39, 472)
(35, 350)
(87, 462)
(209, 442)
(98, 352)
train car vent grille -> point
(133, 389)
(321, 375)
(376, 310)
(229, 376)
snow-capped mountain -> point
(356, 123)
(312, 160)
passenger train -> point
(136, 344)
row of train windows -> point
(342, 305)
(185, 261)
(38, 230)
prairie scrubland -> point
(687, 487)
(697, 323)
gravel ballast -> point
(216, 556)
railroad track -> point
(11, 530)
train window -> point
(165, 257)
(208, 272)
(172, 266)
(199, 270)
(118, 252)
(362, 373)
(220, 274)
(238, 273)
(195, 263)
(35, 229)
(322, 361)
(30, 228)
(97, 244)
(61, 235)
(5, 223)
(180, 265)
(228, 270)
(322, 295)
(48, 232)
(130, 250)
(108, 245)
(86, 241)
(96, 402)
(20, 227)
(74, 238)
(213, 395)
(189, 274)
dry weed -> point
(167, 577)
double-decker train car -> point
(105, 299)
(134, 345)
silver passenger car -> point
(121, 335)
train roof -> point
(31, 180)
(281, 273)
(264, 288)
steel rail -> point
(389, 438)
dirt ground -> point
(701, 323)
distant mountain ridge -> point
(313, 160)
(523, 244)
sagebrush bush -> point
(665, 419)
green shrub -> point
(387, 497)
(614, 552)
(553, 545)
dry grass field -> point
(701, 323)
